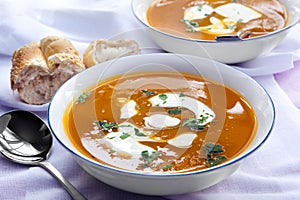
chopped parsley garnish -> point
(124, 135)
(181, 95)
(199, 123)
(174, 111)
(82, 97)
(240, 21)
(138, 133)
(203, 117)
(106, 126)
(194, 124)
(213, 152)
(190, 24)
(163, 97)
(112, 151)
(148, 158)
(199, 8)
(211, 148)
(231, 27)
(167, 166)
(124, 125)
(190, 30)
(148, 93)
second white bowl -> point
(223, 51)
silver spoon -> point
(26, 139)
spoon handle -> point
(74, 193)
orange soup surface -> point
(160, 122)
(206, 19)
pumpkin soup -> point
(162, 122)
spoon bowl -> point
(26, 139)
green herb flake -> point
(181, 95)
(148, 93)
(163, 97)
(240, 21)
(83, 97)
(213, 152)
(213, 149)
(148, 158)
(231, 27)
(203, 117)
(124, 136)
(194, 24)
(124, 125)
(167, 166)
(106, 126)
(138, 133)
(190, 25)
(112, 151)
(174, 111)
(194, 124)
(190, 30)
(199, 8)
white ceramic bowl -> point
(162, 184)
(223, 51)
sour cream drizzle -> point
(233, 13)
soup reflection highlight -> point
(162, 122)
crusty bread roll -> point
(102, 50)
(29, 57)
(53, 45)
(44, 42)
(39, 70)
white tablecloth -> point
(273, 172)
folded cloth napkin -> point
(273, 172)
(289, 82)
(81, 21)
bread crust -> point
(102, 50)
(38, 70)
(53, 45)
(28, 56)
(44, 42)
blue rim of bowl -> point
(214, 41)
(189, 173)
